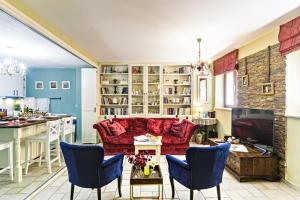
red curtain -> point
(289, 36)
(226, 63)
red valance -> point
(289, 36)
(226, 63)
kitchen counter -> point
(16, 132)
(21, 124)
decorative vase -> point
(138, 171)
(146, 170)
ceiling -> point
(161, 30)
(31, 48)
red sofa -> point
(140, 126)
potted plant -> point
(17, 108)
(139, 161)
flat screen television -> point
(254, 126)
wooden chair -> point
(10, 167)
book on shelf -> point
(178, 111)
(117, 90)
(114, 69)
(114, 111)
(186, 90)
(114, 101)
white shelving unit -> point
(146, 94)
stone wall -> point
(250, 96)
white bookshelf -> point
(146, 90)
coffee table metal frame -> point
(147, 181)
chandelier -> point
(202, 66)
(11, 66)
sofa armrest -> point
(101, 132)
(191, 128)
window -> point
(230, 80)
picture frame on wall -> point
(245, 80)
(53, 85)
(66, 85)
(267, 88)
(39, 85)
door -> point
(88, 104)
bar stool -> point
(45, 139)
(67, 129)
(10, 167)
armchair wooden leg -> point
(191, 194)
(119, 185)
(72, 191)
(218, 191)
(172, 186)
(99, 193)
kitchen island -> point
(16, 131)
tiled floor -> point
(34, 179)
(230, 189)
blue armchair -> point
(88, 169)
(202, 169)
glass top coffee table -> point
(138, 178)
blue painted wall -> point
(70, 102)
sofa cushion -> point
(155, 125)
(138, 124)
(123, 121)
(116, 128)
(170, 139)
(167, 125)
(105, 124)
(178, 129)
(121, 139)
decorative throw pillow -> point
(138, 124)
(123, 121)
(116, 128)
(155, 125)
(178, 129)
(168, 124)
(104, 124)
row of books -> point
(115, 69)
(186, 90)
(115, 90)
(183, 100)
(178, 111)
(184, 70)
(114, 100)
(114, 111)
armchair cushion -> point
(171, 140)
(116, 128)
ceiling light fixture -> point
(11, 66)
(202, 66)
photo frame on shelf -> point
(39, 85)
(66, 85)
(267, 88)
(245, 80)
(202, 89)
(53, 85)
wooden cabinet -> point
(12, 86)
(251, 165)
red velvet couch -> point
(140, 126)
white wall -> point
(293, 118)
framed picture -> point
(39, 85)
(66, 85)
(202, 89)
(53, 85)
(267, 88)
(245, 80)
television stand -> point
(251, 165)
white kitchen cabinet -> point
(12, 86)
